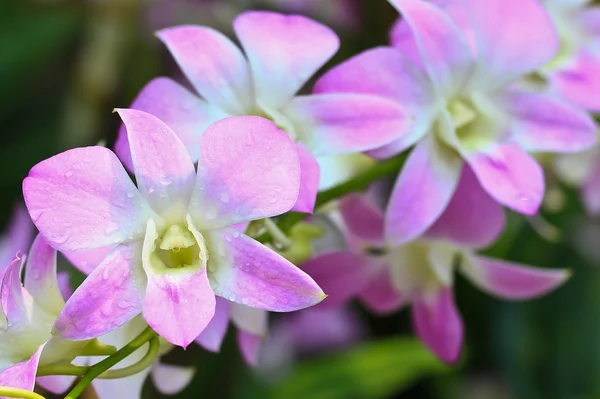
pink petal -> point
(510, 175)
(444, 49)
(250, 345)
(40, 276)
(86, 261)
(284, 51)
(403, 39)
(422, 191)
(170, 379)
(309, 181)
(590, 192)
(214, 65)
(83, 199)
(252, 320)
(22, 375)
(64, 285)
(472, 218)
(363, 218)
(212, 336)
(577, 81)
(17, 237)
(341, 275)
(439, 325)
(338, 123)
(108, 298)
(14, 297)
(179, 306)
(380, 295)
(178, 108)
(545, 123)
(511, 280)
(57, 384)
(246, 272)
(386, 72)
(248, 169)
(514, 37)
(163, 169)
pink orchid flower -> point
(458, 83)
(175, 247)
(387, 277)
(582, 170)
(281, 53)
(28, 313)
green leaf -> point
(374, 370)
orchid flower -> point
(281, 54)
(386, 276)
(28, 313)
(175, 247)
(456, 78)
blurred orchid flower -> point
(176, 248)
(281, 53)
(386, 276)
(455, 76)
(28, 314)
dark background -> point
(64, 65)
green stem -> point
(19, 393)
(386, 168)
(99, 368)
(278, 236)
(62, 369)
(138, 367)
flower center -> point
(280, 120)
(178, 247)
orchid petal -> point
(122, 388)
(363, 218)
(284, 51)
(163, 169)
(338, 169)
(309, 181)
(108, 298)
(246, 272)
(472, 218)
(16, 238)
(249, 345)
(514, 37)
(337, 123)
(212, 336)
(252, 320)
(510, 176)
(381, 296)
(87, 261)
(179, 305)
(444, 49)
(590, 192)
(181, 110)
(422, 191)
(22, 375)
(83, 199)
(341, 275)
(438, 324)
(248, 169)
(578, 79)
(510, 280)
(40, 276)
(403, 39)
(214, 65)
(548, 124)
(170, 379)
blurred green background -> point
(64, 65)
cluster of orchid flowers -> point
(477, 88)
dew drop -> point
(69, 173)
(224, 198)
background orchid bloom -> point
(175, 247)
(458, 83)
(281, 53)
(582, 170)
(29, 312)
(386, 277)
